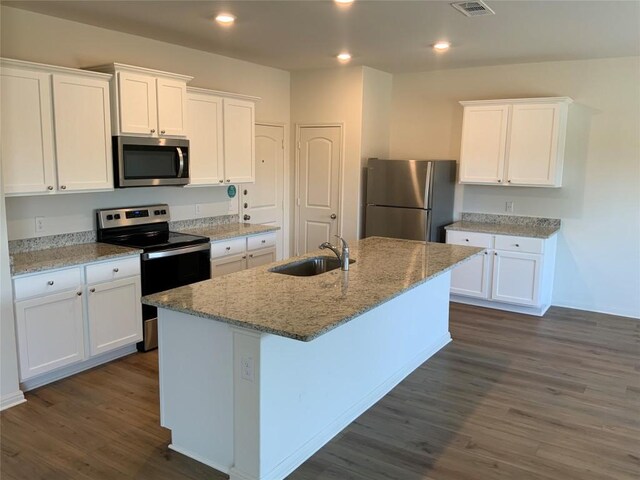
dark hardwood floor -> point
(512, 397)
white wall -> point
(334, 96)
(41, 38)
(598, 260)
(376, 124)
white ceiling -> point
(394, 36)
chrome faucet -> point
(342, 256)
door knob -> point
(247, 217)
(333, 216)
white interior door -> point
(319, 154)
(262, 201)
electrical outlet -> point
(39, 224)
(198, 209)
(246, 368)
(508, 207)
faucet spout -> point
(343, 255)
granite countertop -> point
(304, 308)
(60, 257)
(504, 229)
(230, 230)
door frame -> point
(286, 187)
(299, 127)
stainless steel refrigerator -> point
(410, 199)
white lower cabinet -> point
(55, 328)
(50, 331)
(236, 254)
(514, 273)
(115, 314)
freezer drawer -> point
(408, 223)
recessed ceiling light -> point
(344, 57)
(225, 19)
(343, 2)
(441, 46)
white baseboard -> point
(11, 400)
(46, 378)
(506, 307)
(331, 430)
(609, 311)
(199, 458)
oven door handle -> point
(181, 167)
(175, 251)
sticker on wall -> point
(231, 191)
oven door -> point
(165, 270)
(144, 162)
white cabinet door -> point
(239, 141)
(516, 278)
(50, 332)
(533, 145)
(83, 133)
(137, 104)
(261, 257)
(472, 277)
(172, 107)
(115, 314)
(231, 264)
(484, 136)
(205, 133)
(27, 147)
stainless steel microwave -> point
(149, 162)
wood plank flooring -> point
(513, 397)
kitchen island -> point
(258, 369)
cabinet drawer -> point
(261, 241)
(47, 283)
(113, 270)
(232, 246)
(519, 244)
(471, 239)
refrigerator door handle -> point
(427, 187)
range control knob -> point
(109, 217)
(117, 216)
(156, 212)
(163, 212)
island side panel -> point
(303, 393)
(196, 386)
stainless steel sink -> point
(309, 266)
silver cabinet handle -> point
(50, 282)
(63, 187)
(162, 132)
(333, 216)
(153, 130)
(92, 290)
(49, 187)
(116, 270)
(181, 158)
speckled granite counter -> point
(513, 225)
(303, 308)
(230, 230)
(50, 258)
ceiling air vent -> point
(473, 9)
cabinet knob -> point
(485, 252)
(251, 255)
(499, 181)
(517, 245)
(228, 248)
(49, 187)
(50, 282)
(92, 290)
(221, 181)
(153, 130)
(79, 293)
(495, 253)
(508, 181)
(246, 191)
(116, 270)
(466, 239)
(63, 187)
(162, 132)
(246, 205)
(244, 256)
(333, 216)
(228, 180)
(247, 217)
(263, 241)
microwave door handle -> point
(181, 167)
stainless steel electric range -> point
(169, 259)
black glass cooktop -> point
(154, 241)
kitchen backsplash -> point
(510, 219)
(76, 238)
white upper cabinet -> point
(514, 142)
(239, 140)
(221, 132)
(28, 162)
(83, 133)
(147, 102)
(56, 132)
